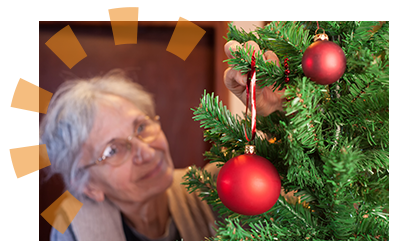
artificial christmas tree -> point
(330, 146)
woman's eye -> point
(110, 151)
(141, 128)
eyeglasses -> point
(118, 150)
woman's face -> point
(147, 171)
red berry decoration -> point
(248, 184)
(323, 61)
(287, 71)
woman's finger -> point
(235, 84)
(231, 45)
(234, 78)
(270, 56)
(250, 46)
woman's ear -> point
(93, 192)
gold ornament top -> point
(321, 37)
(250, 149)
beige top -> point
(193, 218)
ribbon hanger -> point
(251, 87)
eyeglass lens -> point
(118, 150)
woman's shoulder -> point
(68, 235)
(191, 214)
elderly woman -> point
(103, 136)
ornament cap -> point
(321, 37)
(250, 149)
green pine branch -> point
(274, 225)
(330, 146)
(215, 118)
(284, 38)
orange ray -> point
(31, 97)
(29, 159)
(124, 23)
(185, 38)
(62, 211)
(66, 46)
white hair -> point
(70, 117)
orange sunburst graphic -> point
(124, 23)
(66, 46)
(185, 38)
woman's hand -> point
(267, 100)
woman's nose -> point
(143, 153)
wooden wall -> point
(177, 85)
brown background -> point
(177, 85)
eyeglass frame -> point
(101, 159)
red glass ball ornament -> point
(248, 184)
(324, 62)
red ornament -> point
(248, 184)
(324, 62)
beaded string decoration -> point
(287, 71)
